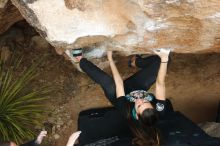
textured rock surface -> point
(9, 14)
(131, 26)
(211, 128)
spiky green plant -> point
(20, 107)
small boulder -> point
(211, 128)
(56, 136)
(5, 53)
(39, 43)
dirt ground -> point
(193, 85)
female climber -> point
(141, 108)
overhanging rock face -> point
(129, 26)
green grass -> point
(20, 106)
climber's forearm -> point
(162, 71)
(160, 83)
(118, 80)
(160, 91)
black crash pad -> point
(105, 123)
(101, 123)
(176, 129)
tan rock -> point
(3, 3)
(9, 14)
(56, 136)
(211, 128)
(129, 26)
(39, 43)
(5, 53)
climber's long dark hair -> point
(145, 134)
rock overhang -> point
(129, 26)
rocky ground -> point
(193, 83)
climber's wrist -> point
(164, 59)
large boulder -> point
(9, 14)
(129, 26)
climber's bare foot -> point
(78, 58)
(74, 58)
(132, 61)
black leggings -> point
(141, 80)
